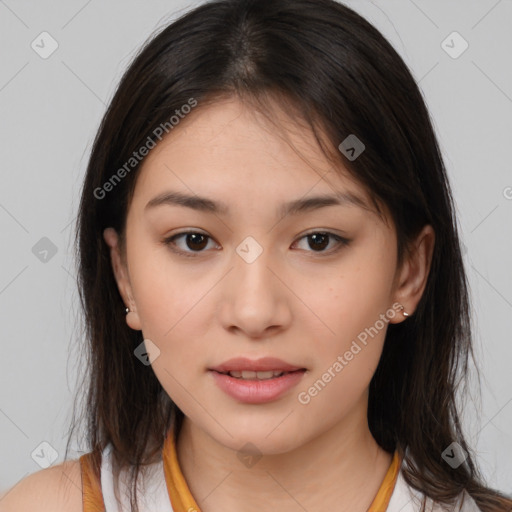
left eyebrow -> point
(316, 202)
(295, 207)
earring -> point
(403, 311)
(127, 310)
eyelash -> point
(169, 241)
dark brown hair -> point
(342, 77)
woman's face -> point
(251, 283)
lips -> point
(240, 365)
(256, 381)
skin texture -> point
(54, 489)
(300, 302)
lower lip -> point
(257, 391)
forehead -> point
(230, 127)
(227, 148)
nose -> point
(255, 301)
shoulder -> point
(57, 488)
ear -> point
(412, 277)
(121, 275)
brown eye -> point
(318, 241)
(195, 242)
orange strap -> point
(92, 498)
(381, 500)
(179, 493)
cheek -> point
(170, 309)
(355, 315)
(170, 302)
(355, 296)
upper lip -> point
(256, 365)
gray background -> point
(50, 109)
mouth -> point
(256, 381)
(258, 375)
(251, 369)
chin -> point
(262, 440)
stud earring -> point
(403, 311)
(127, 310)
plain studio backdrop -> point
(60, 64)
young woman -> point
(271, 275)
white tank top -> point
(154, 498)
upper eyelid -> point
(341, 239)
(314, 231)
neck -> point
(341, 469)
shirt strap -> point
(381, 500)
(92, 498)
(179, 493)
